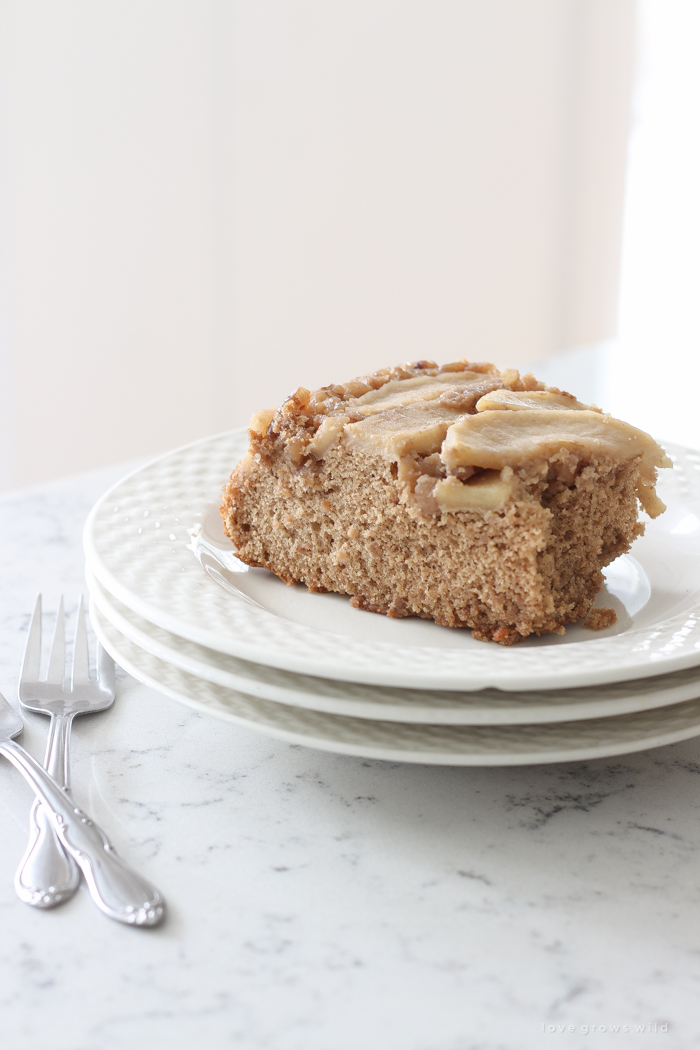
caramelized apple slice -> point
(419, 428)
(489, 490)
(496, 439)
(530, 399)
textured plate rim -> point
(621, 664)
(575, 710)
(571, 754)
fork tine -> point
(57, 659)
(80, 668)
(32, 653)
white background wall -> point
(205, 204)
(652, 374)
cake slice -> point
(462, 494)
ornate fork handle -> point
(47, 875)
(119, 891)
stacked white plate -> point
(173, 605)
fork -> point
(114, 886)
(48, 875)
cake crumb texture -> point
(599, 619)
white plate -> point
(137, 542)
(486, 707)
(399, 741)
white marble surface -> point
(329, 903)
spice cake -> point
(462, 494)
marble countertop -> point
(319, 902)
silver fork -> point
(118, 890)
(47, 875)
(62, 840)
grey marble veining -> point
(320, 902)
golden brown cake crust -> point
(351, 489)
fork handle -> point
(47, 875)
(119, 891)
